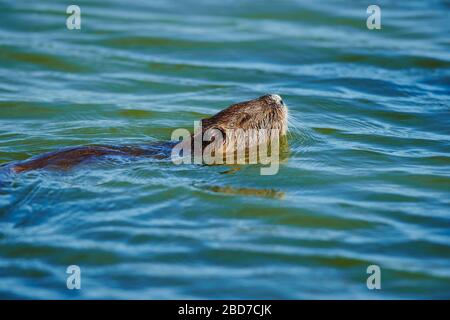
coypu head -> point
(266, 112)
(245, 124)
(247, 132)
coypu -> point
(266, 112)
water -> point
(367, 179)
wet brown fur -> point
(266, 112)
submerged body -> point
(69, 157)
(266, 112)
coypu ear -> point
(207, 124)
(210, 133)
(214, 134)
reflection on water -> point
(365, 181)
(247, 191)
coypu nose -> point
(277, 98)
